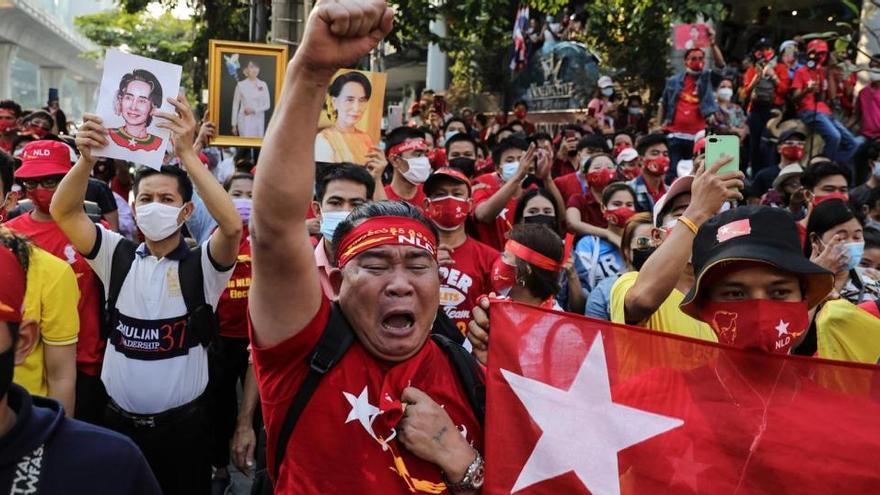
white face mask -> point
(419, 170)
(876, 170)
(449, 135)
(725, 94)
(508, 170)
(157, 221)
(329, 221)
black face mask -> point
(548, 220)
(640, 256)
(465, 164)
(7, 366)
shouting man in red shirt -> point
(390, 416)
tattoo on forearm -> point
(439, 436)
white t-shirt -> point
(150, 365)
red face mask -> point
(7, 126)
(448, 212)
(42, 198)
(658, 165)
(520, 114)
(630, 173)
(768, 55)
(620, 147)
(792, 151)
(619, 216)
(696, 65)
(837, 195)
(771, 326)
(37, 131)
(503, 276)
(597, 180)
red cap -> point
(12, 288)
(452, 173)
(818, 46)
(42, 158)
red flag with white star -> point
(577, 405)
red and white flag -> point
(577, 405)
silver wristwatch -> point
(473, 477)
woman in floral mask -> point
(598, 258)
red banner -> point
(577, 405)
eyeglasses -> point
(44, 182)
(643, 242)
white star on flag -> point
(362, 410)
(781, 329)
(582, 429)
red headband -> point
(12, 288)
(408, 145)
(385, 231)
(539, 260)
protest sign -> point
(132, 88)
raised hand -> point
(341, 32)
(182, 124)
(91, 134)
(711, 190)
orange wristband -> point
(688, 223)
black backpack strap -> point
(201, 317)
(329, 350)
(469, 373)
(123, 257)
(444, 326)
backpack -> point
(201, 318)
(330, 349)
(764, 92)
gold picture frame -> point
(237, 98)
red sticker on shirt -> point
(733, 230)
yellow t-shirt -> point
(668, 318)
(846, 332)
(51, 300)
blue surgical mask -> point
(876, 170)
(607, 91)
(854, 250)
(330, 220)
(634, 110)
(508, 170)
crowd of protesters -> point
(138, 285)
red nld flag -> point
(577, 405)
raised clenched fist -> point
(341, 32)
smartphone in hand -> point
(719, 146)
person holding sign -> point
(161, 298)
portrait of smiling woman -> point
(349, 109)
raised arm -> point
(661, 272)
(67, 202)
(224, 242)
(285, 293)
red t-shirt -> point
(334, 447)
(802, 78)
(782, 87)
(493, 234)
(469, 278)
(562, 168)
(119, 189)
(232, 307)
(869, 108)
(49, 237)
(569, 186)
(418, 200)
(688, 118)
(591, 210)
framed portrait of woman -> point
(244, 81)
(351, 122)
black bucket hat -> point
(754, 233)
